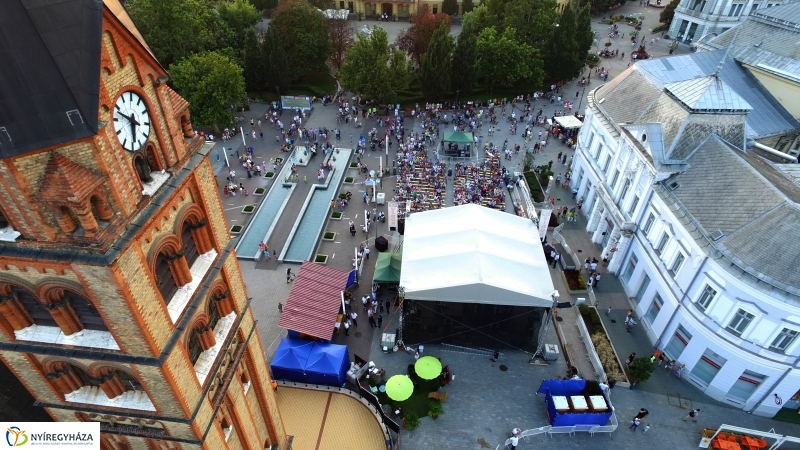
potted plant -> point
(328, 236)
(353, 165)
(248, 209)
(640, 370)
(259, 191)
(336, 215)
(343, 196)
(435, 409)
(348, 180)
(360, 15)
(321, 259)
(236, 229)
(410, 420)
(269, 175)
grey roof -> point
(761, 236)
(633, 92)
(50, 79)
(787, 13)
(708, 94)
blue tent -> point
(328, 364)
(569, 388)
(310, 362)
(290, 360)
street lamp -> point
(457, 91)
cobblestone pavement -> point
(484, 402)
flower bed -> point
(259, 191)
(575, 280)
(602, 345)
(321, 259)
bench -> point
(441, 396)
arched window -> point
(189, 245)
(36, 309)
(152, 158)
(164, 278)
(142, 166)
(86, 312)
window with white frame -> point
(745, 386)
(648, 225)
(590, 142)
(634, 204)
(624, 192)
(626, 275)
(606, 163)
(677, 264)
(662, 243)
(614, 180)
(706, 297)
(654, 309)
(783, 340)
(741, 320)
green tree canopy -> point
(342, 36)
(254, 67)
(239, 15)
(532, 19)
(303, 31)
(669, 12)
(563, 58)
(415, 40)
(464, 68)
(467, 6)
(434, 68)
(276, 75)
(211, 83)
(369, 70)
(174, 29)
(262, 5)
(584, 36)
(504, 60)
(450, 7)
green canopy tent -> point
(458, 144)
(387, 269)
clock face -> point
(131, 121)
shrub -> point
(574, 280)
(435, 408)
(236, 228)
(259, 191)
(270, 174)
(343, 196)
(584, 310)
(607, 357)
(348, 179)
(336, 215)
(354, 164)
(249, 208)
(329, 235)
(641, 369)
(320, 258)
(533, 184)
(411, 420)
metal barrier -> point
(591, 352)
(526, 434)
(571, 430)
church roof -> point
(707, 94)
(66, 180)
(49, 92)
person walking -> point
(371, 321)
(643, 412)
(635, 423)
(380, 320)
(555, 260)
(693, 414)
(630, 359)
(347, 328)
(596, 279)
(288, 274)
(646, 428)
(353, 317)
(514, 442)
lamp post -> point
(457, 91)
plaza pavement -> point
(484, 402)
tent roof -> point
(387, 269)
(458, 136)
(569, 122)
(327, 358)
(313, 303)
(292, 354)
(474, 254)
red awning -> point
(313, 305)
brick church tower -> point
(121, 299)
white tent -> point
(474, 254)
(569, 121)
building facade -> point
(697, 18)
(121, 296)
(701, 230)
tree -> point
(640, 369)
(415, 40)
(467, 6)
(669, 12)
(174, 29)
(532, 19)
(369, 71)
(450, 7)
(503, 60)
(275, 62)
(263, 5)
(562, 55)
(211, 83)
(239, 15)
(341, 34)
(434, 68)
(464, 66)
(584, 35)
(254, 67)
(303, 31)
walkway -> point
(320, 420)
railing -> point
(526, 434)
(591, 352)
(591, 429)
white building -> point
(702, 233)
(697, 18)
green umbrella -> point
(399, 387)
(428, 367)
